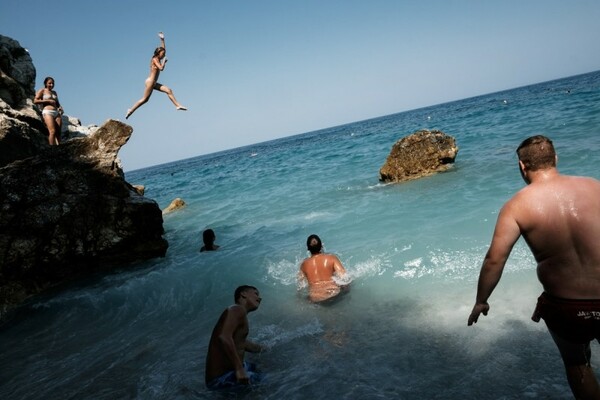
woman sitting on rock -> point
(51, 110)
(157, 64)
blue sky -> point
(251, 71)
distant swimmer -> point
(559, 218)
(157, 64)
(319, 270)
(208, 238)
(225, 365)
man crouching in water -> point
(225, 365)
(318, 270)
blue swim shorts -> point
(229, 381)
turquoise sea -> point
(413, 251)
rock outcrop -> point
(72, 128)
(22, 131)
(417, 155)
(66, 211)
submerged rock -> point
(140, 189)
(420, 154)
(66, 211)
(176, 204)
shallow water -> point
(413, 251)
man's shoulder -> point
(564, 182)
(588, 180)
(235, 311)
(512, 206)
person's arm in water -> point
(301, 278)
(338, 268)
(253, 347)
(506, 234)
(233, 320)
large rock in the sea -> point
(68, 213)
(417, 155)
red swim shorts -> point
(577, 321)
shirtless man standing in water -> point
(318, 270)
(225, 365)
(559, 218)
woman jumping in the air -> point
(157, 64)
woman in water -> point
(51, 110)
(157, 64)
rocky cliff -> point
(65, 211)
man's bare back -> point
(559, 218)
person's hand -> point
(161, 35)
(241, 377)
(478, 309)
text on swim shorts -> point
(589, 314)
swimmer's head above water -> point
(314, 244)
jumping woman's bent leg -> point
(147, 93)
(169, 92)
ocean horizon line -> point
(283, 139)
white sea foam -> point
(375, 265)
(276, 335)
(316, 215)
(284, 272)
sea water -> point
(413, 251)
